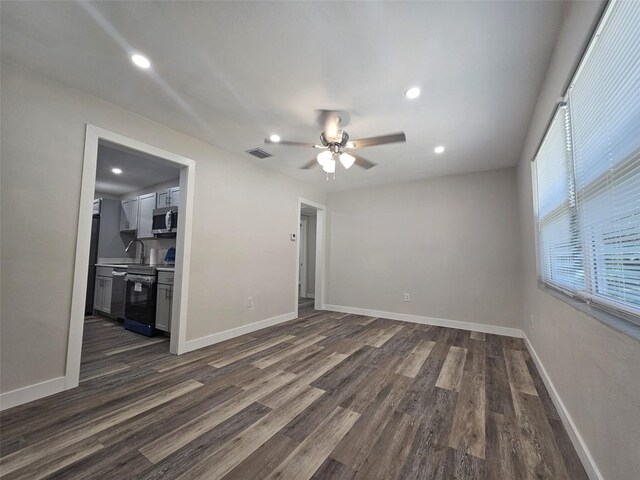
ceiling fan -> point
(336, 146)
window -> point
(588, 173)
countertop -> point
(160, 268)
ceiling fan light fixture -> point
(330, 167)
(347, 160)
(439, 149)
(274, 138)
(324, 158)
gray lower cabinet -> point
(108, 297)
(164, 301)
(102, 294)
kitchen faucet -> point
(142, 256)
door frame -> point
(321, 222)
(93, 135)
(303, 257)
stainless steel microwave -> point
(165, 221)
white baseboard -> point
(578, 443)
(191, 345)
(440, 322)
(32, 392)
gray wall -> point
(112, 243)
(451, 242)
(593, 367)
(43, 129)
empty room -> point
(320, 240)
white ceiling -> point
(139, 170)
(231, 73)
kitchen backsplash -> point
(161, 244)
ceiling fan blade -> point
(309, 164)
(292, 144)
(379, 140)
(363, 162)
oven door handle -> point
(146, 279)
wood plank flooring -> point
(325, 396)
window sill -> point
(618, 323)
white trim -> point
(440, 322)
(320, 287)
(191, 345)
(183, 248)
(32, 392)
(579, 444)
(183, 260)
(303, 240)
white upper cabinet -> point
(129, 215)
(168, 197)
(146, 205)
(137, 213)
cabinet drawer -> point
(165, 278)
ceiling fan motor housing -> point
(344, 138)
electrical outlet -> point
(407, 297)
(250, 302)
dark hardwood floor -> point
(325, 396)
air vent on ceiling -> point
(258, 152)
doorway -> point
(147, 247)
(310, 255)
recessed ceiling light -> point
(274, 138)
(117, 171)
(141, 61)
(439, 149)
(413, 92)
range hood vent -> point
(259, 153)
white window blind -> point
(591, 246)
(605, 113)
(560, 261)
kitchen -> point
(133, 241)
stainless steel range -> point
(140, 299)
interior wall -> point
(43, 131)
(111, 242)
(452, 243)
(593, 367)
